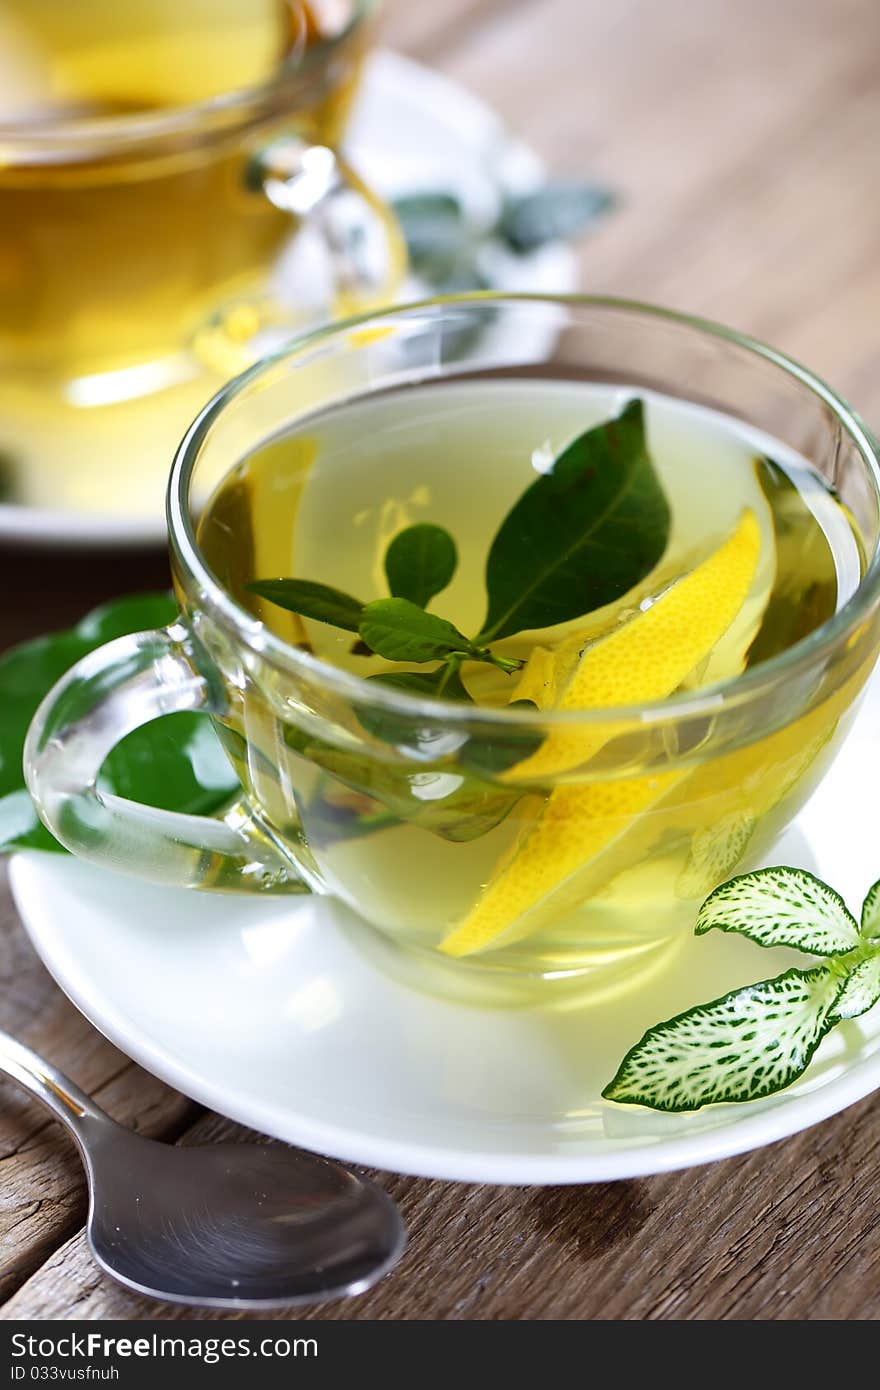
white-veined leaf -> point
(746, 1045)
(860, 992)
(871, 912)
(782, 906)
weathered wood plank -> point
(741, 140)
(430, 31)
(741, 1239)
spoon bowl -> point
(218, 1225)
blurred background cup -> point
(172, 204)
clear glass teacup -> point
(157, 234)
(348, 784)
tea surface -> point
(104, 57)
(556, 859)
(325, 502)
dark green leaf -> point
(444, 683)
(441, 799)
(311, 600)
(401, 631)
(582, 535)
(393, 726)
(556, 212)
(506, 745)
(298, 739)
(449, 685)
(174, 763)
(420, 562)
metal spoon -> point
(221, 1225)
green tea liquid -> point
(323, 502)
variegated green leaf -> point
(782, 906)
(871, 912)
(746, 1045)
(860, 992)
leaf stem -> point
(508, 664)
(450, 669)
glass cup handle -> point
(102, 698)
(361, 238)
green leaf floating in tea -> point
(174, 763)
(420, 562)
(437, 798)
(442, 683)
(311, 600)
(392, 727)
(585, 532)
(582, 535)
(401, 631)
(757, 1040)
(442, 795)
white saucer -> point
(411, 130)
(274, 1013)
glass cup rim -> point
(67, 135)
(707, 701)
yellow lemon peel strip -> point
(644, 660)
(648, 657)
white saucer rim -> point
(742, 1134)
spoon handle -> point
(66, 1101)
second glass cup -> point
(145, 213)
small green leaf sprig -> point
(757, 1040)
(451, 254)
(420, 562)
(580, 536)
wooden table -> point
(743, 140)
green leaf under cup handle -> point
(365, 246)
(102, 698)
